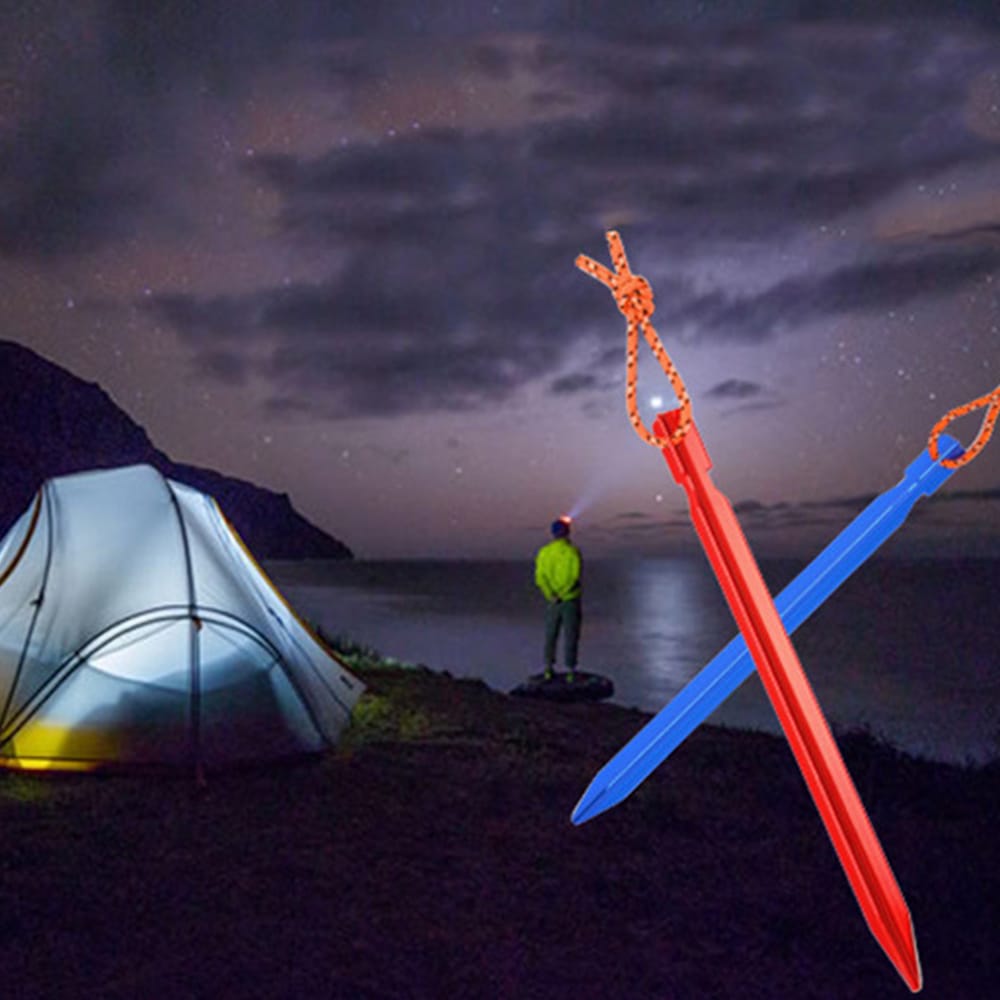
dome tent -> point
(136, 629)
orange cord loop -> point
(634, 298)
(992, 401)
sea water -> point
(910, 650)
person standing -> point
(558, 574)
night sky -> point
(329, 248)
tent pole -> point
(195, 657)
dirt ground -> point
(432, 856)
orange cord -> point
(992, 399)
(634, 298)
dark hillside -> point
(55, 423)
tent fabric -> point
(136, 628)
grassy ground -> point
(432, 856)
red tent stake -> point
(799, 713)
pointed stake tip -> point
(905, 958)
(913, 973)
(587, 808)
(914, 979)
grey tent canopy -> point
(136, 629)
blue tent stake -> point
(717, 680)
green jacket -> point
(558, 569)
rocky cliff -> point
(53, 423)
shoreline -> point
(869, 661)
(355, 654)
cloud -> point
(803, 527)
(735, 388)
(987, 229)
(454, 286)
(62, 188)
(749, 396)
(97, 138)
(454, 293)
(569, 384)
(854, 502)
(836, 511)
(599, 409)
(365, 343)
(899, 276)
(218, 318)
(457, 289)
(728, 130)
(493, 60)
(228, 367)
(772, 126)
(987, 495)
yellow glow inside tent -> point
(16, 764)
(39, 746)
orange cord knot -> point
(634, 297)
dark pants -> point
(557, 615)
